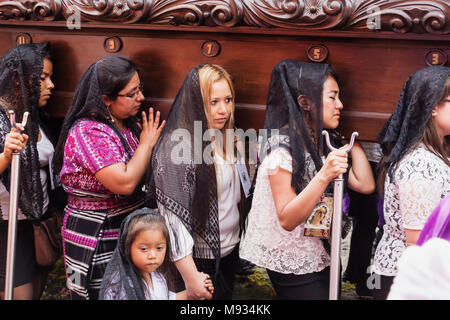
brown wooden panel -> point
(372, 66)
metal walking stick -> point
(12, 222)
(336, 228)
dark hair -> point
(429, 138)
(445, 92)
(46, 52)
(148, 221)
(114, 73)
(330, 73)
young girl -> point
(292, 178)
(101, 157)
(141, 268)
(415, 168)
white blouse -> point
(265, 242)
(423, 272)
(180, 239)
(228, 197)
(160, 290)
(45, 151)
(421, 180)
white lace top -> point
(265, 242)
(421, 180)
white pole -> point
(12, 227)
(336, 229)
(12, 222)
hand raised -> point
(151, 129)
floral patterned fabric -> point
(265, 242)
(421, 180)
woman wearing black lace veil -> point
(101, 163)
(415, 169)
(196, 181)
(294, 176)
(25, 85)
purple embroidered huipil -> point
(93, 214)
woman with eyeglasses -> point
(102, 155)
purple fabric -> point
(346, 203)
(438, 223)
(381, 221)
(91, 146)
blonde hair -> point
(208, 74)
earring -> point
(110, 117)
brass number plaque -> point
(113, 44)
(436, 57)
(317, 53)
(211, 48)
(23, 38)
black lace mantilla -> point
(20, 71)
(289, 80)
(415, 104)
(188, 190)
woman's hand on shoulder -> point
(151, 129)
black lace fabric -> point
(289, 80)
(20, 71)
(121, 281)
(187, 189)
(405, 126)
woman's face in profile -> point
(129, 99)
(441, 115)
(331, 104)
(46, 82)
(220, 104)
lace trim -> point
(265, 242)
(421, 180)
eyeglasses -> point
(134, 94)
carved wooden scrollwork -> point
(30, 10)
(404, 16)
(401, 16)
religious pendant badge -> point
(319, 221)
